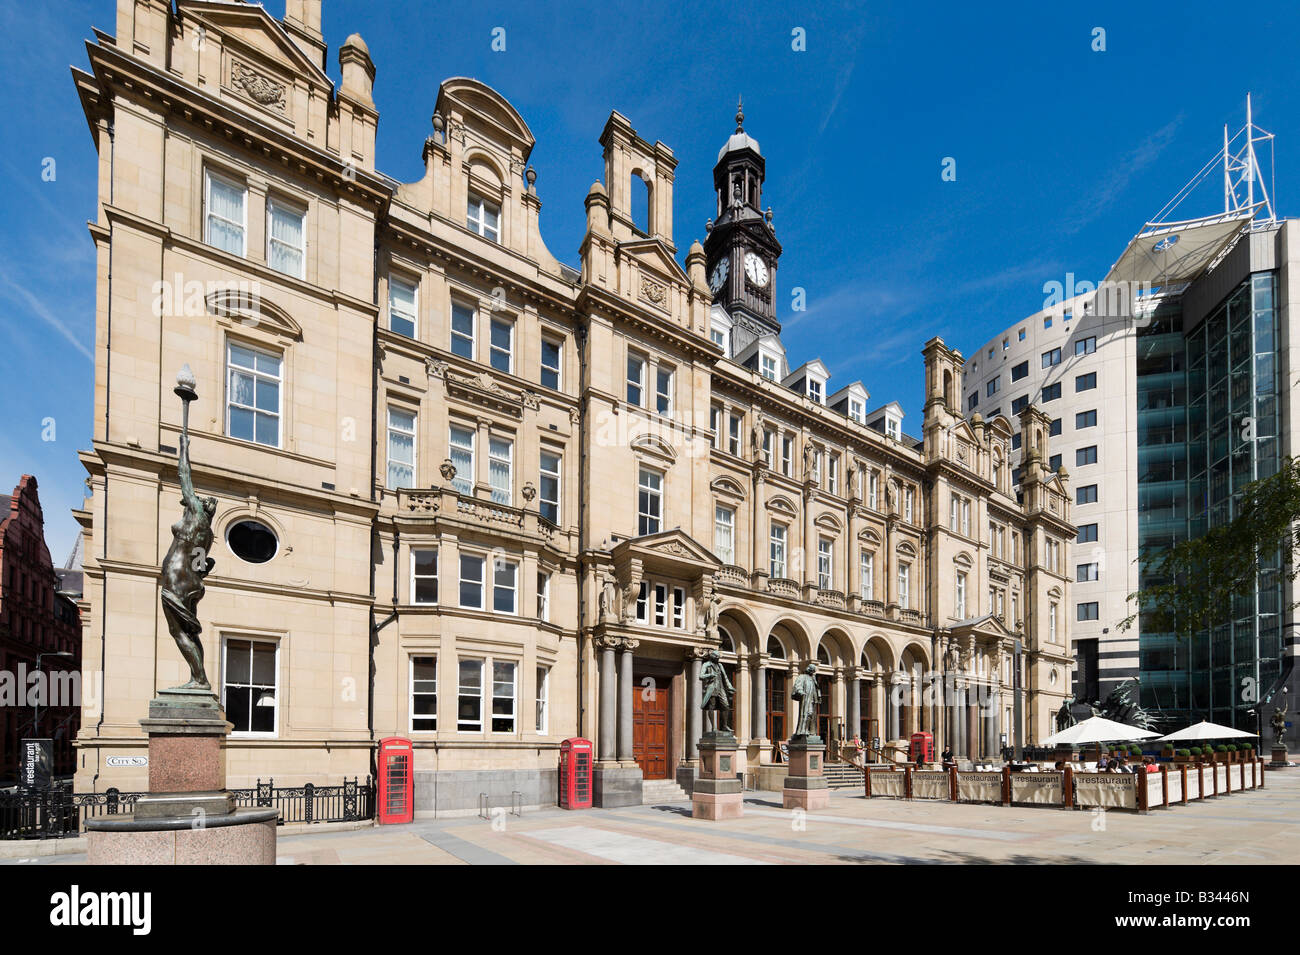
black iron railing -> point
(59, 812)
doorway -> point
(650, 730)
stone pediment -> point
(248, 31)
(674, 551)
(656, 255)
(989, 625)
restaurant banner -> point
(979, 787)
(887, 783)
(1221, 774)
(1238, 781)
(929, 785)
(1038, 789)
(1155, 789)
(1109, 790)
(1193, 783)
(1175, 787)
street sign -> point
(127, 760)
(36, 763)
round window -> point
(252, 541)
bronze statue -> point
(806, 692)
(1120, 706)
(1064, 718)
(716, 695)
(1278, 722)
(187, 561)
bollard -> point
(1067, 787)
(1006, 785)
(1183, 769)
(1164, 785)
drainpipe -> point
(582, 525)
(374, 521)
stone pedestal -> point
(805, 785)
(188, 816)
(718, 793)
(1279, 757)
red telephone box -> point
(395, 803)
(922, 743)
(575, 773)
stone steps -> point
(842, 776)
(656, 791)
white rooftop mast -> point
(1241, 168)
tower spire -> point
(740, 114)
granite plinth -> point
(244, 837)
(807, 756)
(808, 800)
(716, 805)
(1279, 756)
(187, 730)
(718, 756)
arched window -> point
(640, 194)
(822, 656)
(728, 645)
(774, 648)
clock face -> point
(719, 276)
(755, 270)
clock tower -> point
(741, 250)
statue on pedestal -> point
(716, 695)
(187, 562)
(806, 692)
(1278, 722)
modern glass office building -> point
(1230, 437)
(1194, 400)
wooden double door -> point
(650, 729)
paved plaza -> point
(1259, 827)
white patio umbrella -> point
(1097, 729)
(1205, 730)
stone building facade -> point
(479, 498)
(40, 639)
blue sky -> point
(1062, 153)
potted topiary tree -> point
(1182, 756)
(1232, 752)
(1167, 751)
(1221, 754)
(1195, 753)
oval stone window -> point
(252, 541)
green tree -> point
(1191, 585)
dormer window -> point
(891, 427)
(856, 411)
(483, 218)
(767, 366)
(815, 390)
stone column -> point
(894, 706)
(972, 727)
(760, 700)
(959, 722)
(855, 706)
(626, 687)
(740, 708)
(694, 718)
(608, 704)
